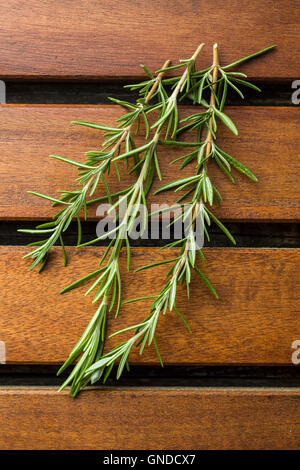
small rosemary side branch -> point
(90, 176)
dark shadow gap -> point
(85, 92)
(155, 376)
(247, 235)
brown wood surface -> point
(255, 321)
(268, 143)
(150, 419)
(116, 36)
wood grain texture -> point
(28, 134)
(255, 321)
(140, 419)
(116, 36)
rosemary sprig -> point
(109, 280)
(204, 192)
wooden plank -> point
(255, 321)
(28, 134)
(115, 37)
(140, 419)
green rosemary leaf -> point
(157, 165)
(108, 371)
(224, 169)
(96, 376)
(237, 74)
(224, 95)
(226, 120)
(143, 342)
(34, 231)
(187, 160)
(165, 209)
(129, 328)
(238, 165)
(247, 84)
(43, 262)
(95, 126)
(221, 157)
(172, 67)
(105, 235)
(236, 89)
(128, 254)
(138, 299)
(71, 162)
(172, 244)
(37, 243)
(192, 154)
(175, 143)
(172, 296)
(114, 295)
(251, 56)
(46, 224)
(222, 227)
(109, 197)
(206, 233)
(173, 184)
(149, 181)
(146, 125)
(184, 320)
(206, 281)
(58, 201)
(105, 198)
(158, 263)
(158, 352)
(122, 363)
(126, 104)
(81, 281)
(106, 252)
(79, 231)
(209, 190)
(133, 151)
(119, 294)
(146, 71)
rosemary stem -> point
(158, 79)
(184, 75)
(212, 97)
